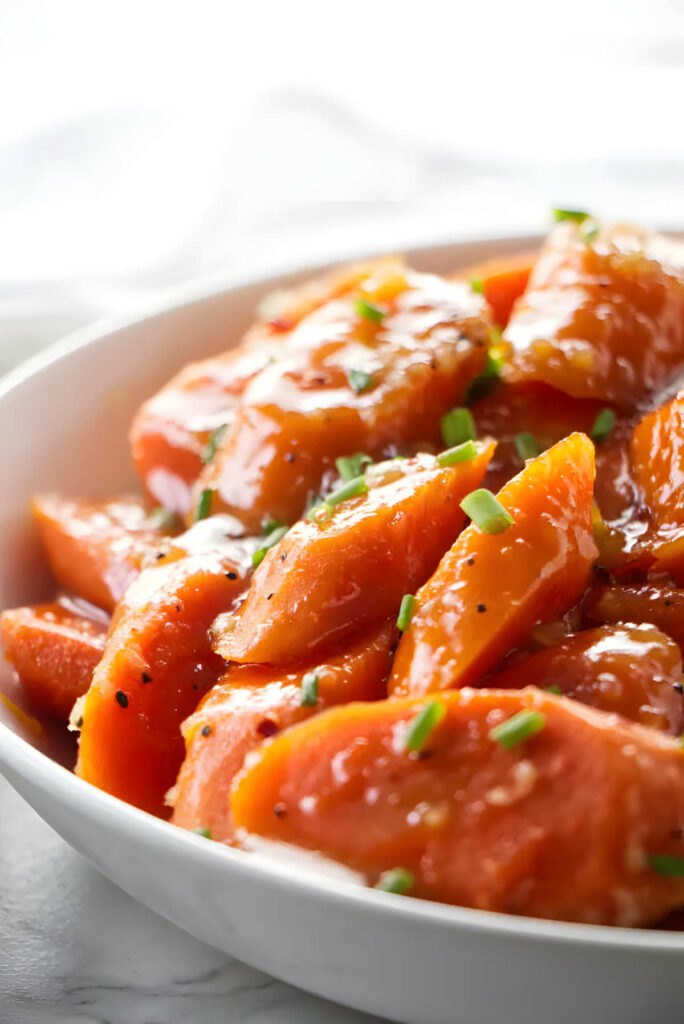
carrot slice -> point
(252, 703)
(371, 371)
(635, 671)
(662, 606)
(491, 589)
(96, 548)
(328, 578)
(601, 318)
(54, 651)
(476, 821)
(156, 666)
(503, 281)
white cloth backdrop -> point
(147, 143)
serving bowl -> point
(64, 417)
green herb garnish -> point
(667, 864)
(457, 426)
(526, 446)
(420, 727)
(351, 489)
(476, 285)
(398, 880)
(486, 511)
(161, 518)
(461, 453)
(359, 381)
(203, 831)
(520, 727)
(485, 382)
(351, 466)
(275, 534)
(603, 425)
(577, 215)
(405, 612)
(554, 688)
(309, 690)
(214, 440)
(369, 311)
(203, 505)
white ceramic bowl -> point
(63, 423)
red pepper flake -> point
(206, 730)
(121, 699)
(279, 810)
(146, 677)
(267, 727)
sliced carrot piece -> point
(96, 548)
(54, 651)
(660, 605)
(491, 589)
(635, 671)
(476, 822)
(327, 578)
(252, 703)
(503, 281)
(601, 318)
(371, 371)
(156, 666)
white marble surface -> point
(76, 950)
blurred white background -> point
(147, 143)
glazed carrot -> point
(491, 588)
(634, 671)
(514, 801)
(661, 605)
(156, 666)
(371, 371)
(252, 703)
(657, 451)
(172, 429)
(54, 651)
(503, 281)
(603, 314)
(96, 548)
(351, 567)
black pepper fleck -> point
(668, 602)
(231, 575)
(160, 554)
(283, 556)
(269, 596)
(206, 730)
(121, 699)
(470, 561)
(279, 810)
(482, 607)
(678, 687)
(290, 457)
(178, 607)
(146, 677)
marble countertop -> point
(74, 949)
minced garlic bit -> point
(524, 777)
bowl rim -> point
(19, 757)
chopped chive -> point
(603, 425)
(589, 232)
(369, 311)
(420, 727)
(577, 215)
(554, 688)
(520, 727)
(275, 534)
(203, 831)
(309, 690)
(485, 382)
(667, 864)
(397, 880)
(351, 489)
(215, 438)
(405, 612)
(359, 381)
(161, 518)
(351, 466)
(526, 446)
(486, 511)
(457, 426)
(476, 285)
(203, 505)
(269, 525)
(461, 453)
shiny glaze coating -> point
(329, 578)
(491, 589)
(603, 319)
(304, 410)
(503, 281)
(54, 650)
(559, 826)
(156, 666)
(634, 671)
(252, 703)
(658, 604)
(96, 548)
